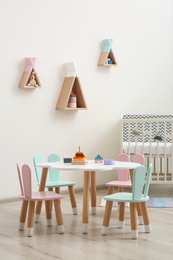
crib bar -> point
(129, 137)
(136, 140)
(157, 153)
(165, 152)
(143, 138)
(150, 144)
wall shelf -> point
(107, 54)
(71, 84)
(28, 73)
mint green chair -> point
(132, 198)
(54, 181)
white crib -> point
(160, 153)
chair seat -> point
(127, 184)
(56, 184)
(124, 197)
(42, 195)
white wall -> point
(57, 31)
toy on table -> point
(72, 100)
(109, 162)
(67, 160)
(32, 81)
(79, 158)
(98, 159)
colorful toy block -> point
(98, 159)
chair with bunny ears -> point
(123, 177)
(54, 182)
(28, 196)
(136, 196)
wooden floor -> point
(47, 244)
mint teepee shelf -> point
(71, 85)
(27, 74)
(107, 54)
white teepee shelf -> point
(71, 85)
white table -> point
(89, 169)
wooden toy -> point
(30, 78)
(79, 158)
(107, 57)
(67, 160)
(109, 162)
(71, 85)
(98, 159)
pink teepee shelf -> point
(30, 78)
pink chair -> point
(139, 158)
(123, 180)
(28, 196)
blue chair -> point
(54, 181)
(133, 198)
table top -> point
(90, 166)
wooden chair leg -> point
(93, 192)
(48, 212)
(110, 190)
(134, 230)
(30, 223)
(57, 190)
(139, 211)
(107, 216)
(122, 215)
(59, 218)
(50, 189)
(120, 189)
(23, 215)
(41, 188)
(146, 217)
(72, 199)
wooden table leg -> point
(85, 202)
(41, 188)
(23, 215)
(131, 175)
(93, 192)
(72, 199)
